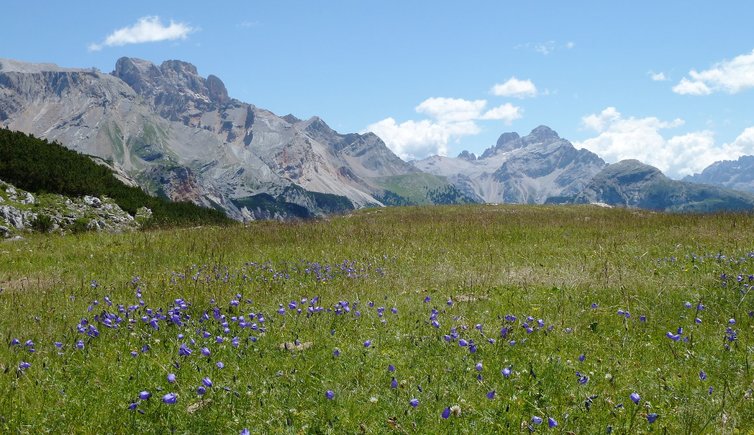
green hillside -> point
(39, 166)
(420, 189)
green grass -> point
(413, 187)
(551, 263)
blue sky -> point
(669, 82)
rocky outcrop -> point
(22, 212)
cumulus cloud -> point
(514, 87)
(657, 77)
(619, 137)
(415, 139)
(506, 113)
(451, 109)
(146, 29)
(450, 120)
(731, 76)
(689, 87)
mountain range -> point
(180, 135)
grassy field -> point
(500, 318)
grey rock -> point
(92, 201)
(28, 199)
(64, 213)
(5, 232)
(15, 217)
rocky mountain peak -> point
(141, 75)
(291, 119)
(217, 90)
(506, 138)
(541, 134)
(317, 126)
(465, 155)
(631, 171)
(172, 78)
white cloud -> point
(597, 121)
(506, 113)
(451, 120)
(515, 88)
(688, 87)
(417, 139)
(570, 44)
(621, 138)
(451, 109)
(731, 76)
(657, 77)
(146, 29)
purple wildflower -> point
(445, 413)
(414, 402)
(551, 422)
(144, 395)
(652, 417)
(329, 394)
(635, 397)
(170, 398)
(184, 350)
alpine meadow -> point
(453, 319)
(377, 217)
